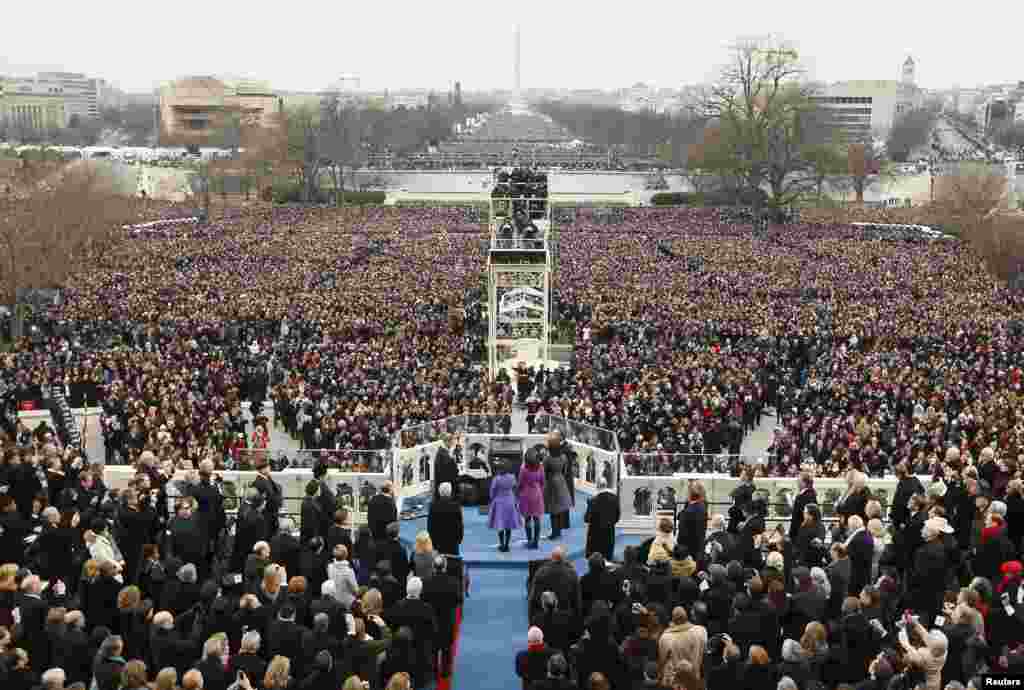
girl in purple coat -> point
(531, 495)
(504, 513)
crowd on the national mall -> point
(342, 327)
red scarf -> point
(535, 647)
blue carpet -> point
(494, 620)
(480, 544)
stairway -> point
(63, 420)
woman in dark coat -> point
(559, 496)
(136, 527)
(109, 663)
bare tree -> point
(969, 195)
(304, 149)
(864, 167)
(762, 107)
(340, 142)
(51, 221)
(1000, 241)
(1011, 136)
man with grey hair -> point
(443, 592)
(444, 522)
(168, 647)
(420, 617)
(53, 679)
(446, 469)
(248, 659)
(210, 507)
(787, 683)
(558, 575)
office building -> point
(862, 109)
(32, 104)
(81, 93)
(194, 108)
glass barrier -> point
(643, 497)
(668, 464)
(580, 432)
(344, 460)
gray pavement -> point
(519, 421)
(757, 441)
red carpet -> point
(446, 683)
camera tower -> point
(519, 273)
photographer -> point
(923, 650)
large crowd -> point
(926, 597)
(691, 326)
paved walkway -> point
(757, 441)
(518, 421)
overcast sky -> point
(567, 43)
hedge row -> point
(291, 193)
(744, 198)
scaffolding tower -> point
(519, 281)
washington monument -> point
(516, 85)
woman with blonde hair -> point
(423, 556)
(8, 591)
(663, 545)
(133, 616)
(278, 675)
(356, 683)
(215, 675)
(400, 681)
(270, 587)
(167, 679)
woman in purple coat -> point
(504, 513)
(531, 495)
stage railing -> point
(343, 460)
(668, 464)
(572, 430)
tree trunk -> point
(858, 186)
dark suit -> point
(803, 499)
(861, 550)
(273, 499)
(391, 550)
(854, 504)
(443, 593)
(445, 470)
(421, 618)
(601, 517)
(559, 578)
(284, 549)
(210, 508)
(251, 528)
(328, 505)
(33, 625)
(285, 638)
(899, 513)
(927, 581)
(693, 527)
(444, 523)
(380, 513)
(312, 519)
